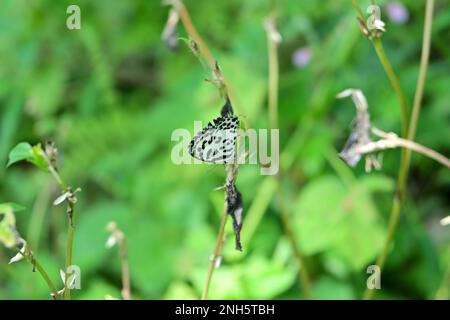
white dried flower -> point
(61, 198)
(68, 195)
(70, 283)
(20, 255)
(379, 25)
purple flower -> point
(397, 12)
(301, 57)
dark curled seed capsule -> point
(234, 209)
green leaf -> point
(32, 154)
(266, 279)
(8, 235)
(23, 151)
(340, 219)
(14, 206)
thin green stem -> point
(45, 276)
(36, 265)
(272, 43)
(54, 172)
(405, 160)
(69, 248)
(379, 49)
(422, 72)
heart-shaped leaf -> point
(32, 154)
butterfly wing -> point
(216, 142)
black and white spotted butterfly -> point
(216, 143)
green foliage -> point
(111, 94)
(345, 222)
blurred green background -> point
(111, 94)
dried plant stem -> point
(192, 32)
(391, 140)
(224, 87)
(406, 156)
(126, 287)
(216, 255)
(358, 10)
(203, 49)
(119, 237)
(273, 39)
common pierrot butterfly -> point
(217, 141)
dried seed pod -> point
(361, 127)
(234, 209)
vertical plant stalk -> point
(119, 237)
(379, 49)
(69, 249)
(405, 163)
(215, 259)
(126, 286)
(71, 221)
(273, 40)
